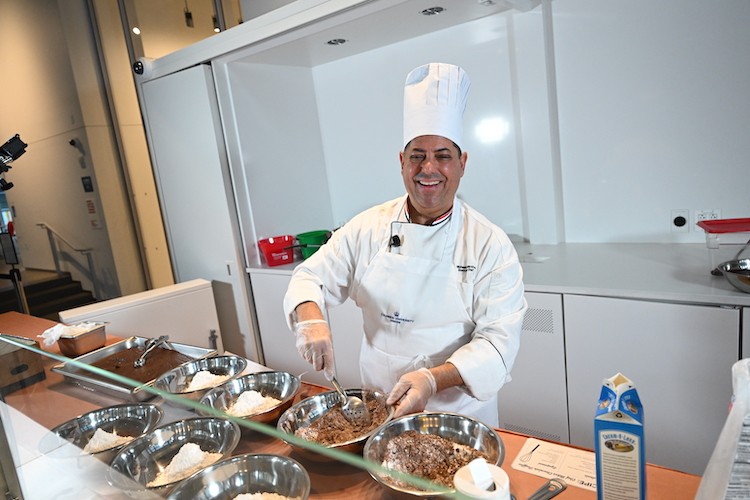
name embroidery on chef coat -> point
(466, 269)
(396, 318)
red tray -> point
(725, 225)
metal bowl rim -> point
(159, 381)
(224, 388)
(284, 416)
(417, 416)
(146, 437)
(241, 458)
(151, 407)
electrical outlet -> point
(679, 220)
(708, 214)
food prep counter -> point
(49, 402)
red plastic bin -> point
(277, 250)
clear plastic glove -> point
(412, 391)
(315, 345)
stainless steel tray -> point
(85, 379)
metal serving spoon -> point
(150, 346)
(353, 408)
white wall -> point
(360, 102)
(40, 102)
(654, 114)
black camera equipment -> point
(10, 151)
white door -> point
(192, 176)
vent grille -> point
(539, 320)
(532, 432)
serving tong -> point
(352, 407)
(151, 344)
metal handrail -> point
(54, 237)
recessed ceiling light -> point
(336, 41)
(432, 11)
(136, 30)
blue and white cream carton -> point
(618, 442)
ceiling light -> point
(336, 41)
(432, 11)
(492, 130)
(216, 25)
(136, 30)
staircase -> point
(46, 295)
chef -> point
(439, 285)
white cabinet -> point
(277, 341)
(680, 358)
(535, 401)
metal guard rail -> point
(54, 237)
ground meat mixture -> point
(158, 361)
(425, 455)
(333, 428)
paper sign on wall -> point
(93, 214)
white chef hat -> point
(434, 101)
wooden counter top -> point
(53, 401)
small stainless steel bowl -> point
(177, 380)
(460, 429)
(132, 420)
(246, 474)
(310, 409)
(278, 385)
(737, 272)
(138, 463)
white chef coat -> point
(446, 293)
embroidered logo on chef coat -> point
(396, 318)
(466, 269)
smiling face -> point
(431, 167)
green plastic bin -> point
(311, 241)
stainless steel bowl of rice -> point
(262, 475)
(261, 397)
(101, 433)
(439, 444)
(154, 463)
(192, 380)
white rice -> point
(205, 379)
(103, 440)
(188, 460)
(252, 402)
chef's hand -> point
(315, 345)
(412, 391)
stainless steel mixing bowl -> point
(277, 384)
(177, 380)
(460, 429)
(312, 408)
(246, 474)
(138, 463)
(737, 272)
(134, 420)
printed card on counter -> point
(541, 458)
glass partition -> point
(104, 426)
